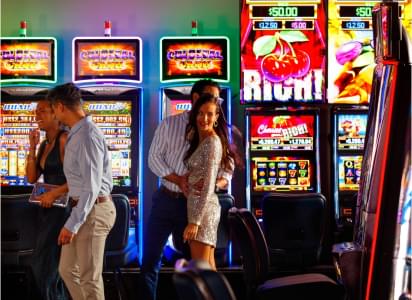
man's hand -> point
(222, 183)
(190, 232)
(183, 184)
(65, 237)
(46, 199)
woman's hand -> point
(190, 232)
(34, 138)
(47, 199)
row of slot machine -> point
(108, 70)
(306, 78)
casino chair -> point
(195, 280)
(19, 219)
(255, 253)
(294, 226)
(226, 202)
(120, 249)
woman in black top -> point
(49, 163)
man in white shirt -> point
(169, 213)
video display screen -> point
(17, 120)
(107, 59)
(283, 51)
(282, 132)
(175, 107)
(114, 118)
(28, 59)
(282, 174)
(193, 58)
(351, 131)
(349, 168)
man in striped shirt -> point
(169, 214)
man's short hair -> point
(199, 86)
(68, 94)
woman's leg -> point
(212, 258)
(200, 250)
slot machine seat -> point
(120, 249)
(294, 226)
(252, 245)
(195, 280)
(19, 219)
(19, 224)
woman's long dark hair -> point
(229, 158)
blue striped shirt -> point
(168, 149)
(87, 168)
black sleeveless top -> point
(53, 166)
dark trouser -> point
(168, 216)
(45, 260)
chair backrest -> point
(252, 245)
(195, 280)
(118, 236)
(19, 219)
(226, 202)
(294, 226)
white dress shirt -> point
(168, 149)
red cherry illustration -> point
(275, 69)
(299, 63)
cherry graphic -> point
(275, 69)
(285, 62)
(300, 63)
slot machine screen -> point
(175, 106)
(107, 59)
(28, 60)
(283, 46)
(282, 173)
(351, 131)
(282, 132)
(193, 58)
(114, 118)
(349, 168)
(17, 120)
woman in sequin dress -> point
(209, 150)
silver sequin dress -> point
(204, 209)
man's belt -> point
(170, 193)
(100, 199)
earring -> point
(215, 123)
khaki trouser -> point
(81, 261)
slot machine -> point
(379, 252)
(351, 64)
(183, 61)
(108, 71)
(28, 68)
(349, 125)
(283, 46)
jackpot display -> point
(193, 58)
(17, 120)
(109, 59)
(283, 46)
(351, 131)
(283, 132)
(114, 118)
(28, 59)
(351, 58)
(175, 107)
